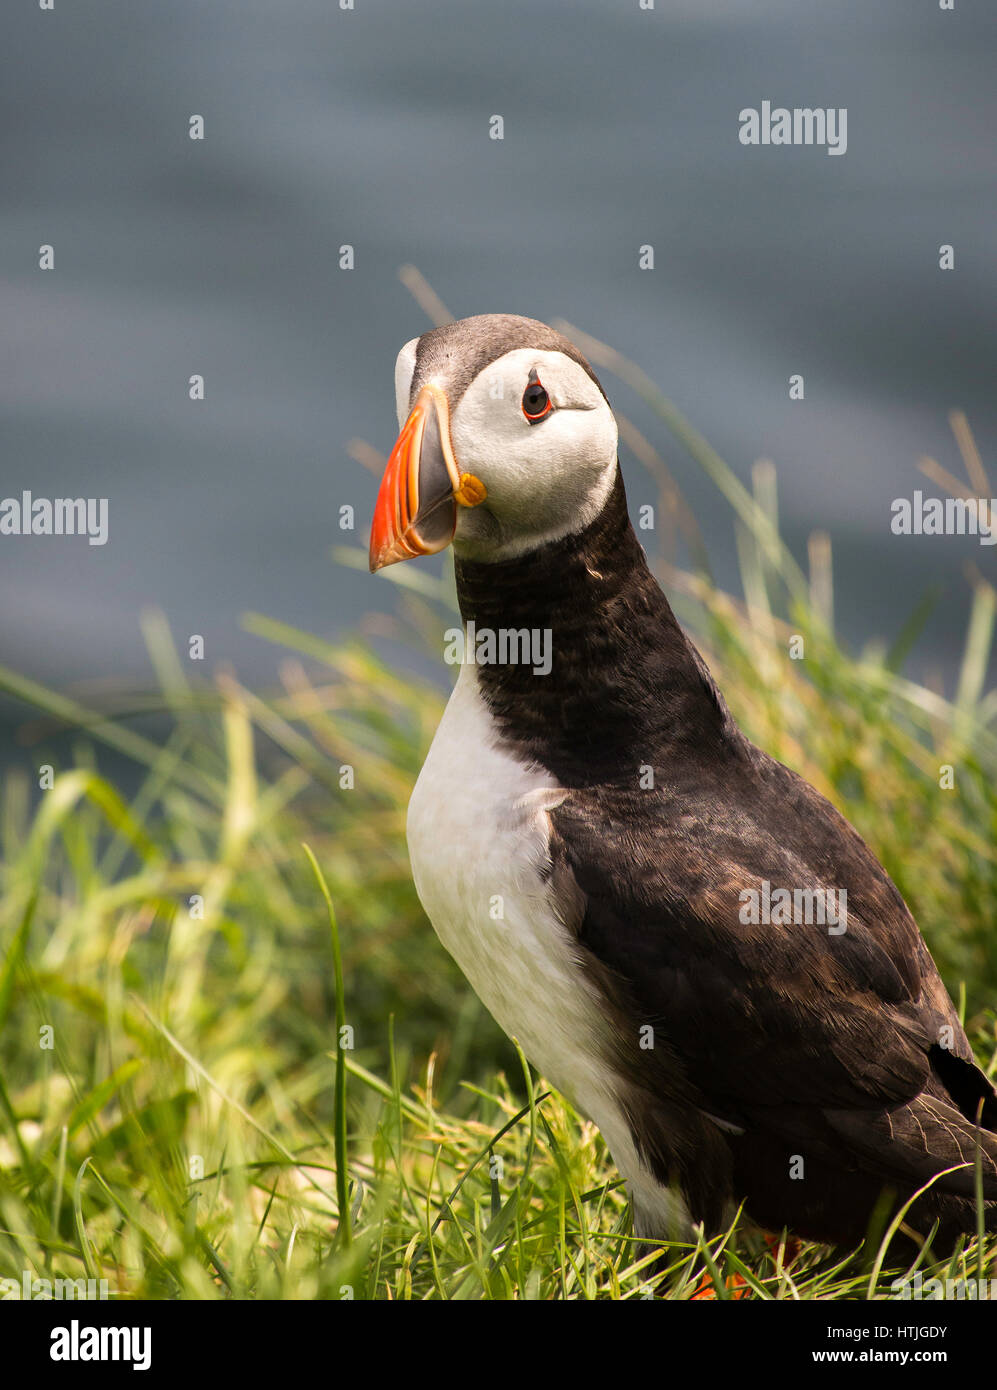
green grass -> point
(195, 1129)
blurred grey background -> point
(370, 127)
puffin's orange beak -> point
(416, 508)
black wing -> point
(845, 1038)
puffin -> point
(623, 877)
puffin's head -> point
(507, 441)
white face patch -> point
(544, 480)
(404, 372)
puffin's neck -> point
(624, 685)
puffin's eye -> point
(536, 402)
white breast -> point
(478, 834)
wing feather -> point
(770, 1020)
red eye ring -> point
(536, 403)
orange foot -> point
(736, 1285)
(736, 1288)
(792, 1248)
